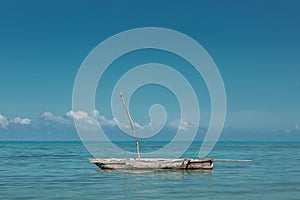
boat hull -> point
(153, 163)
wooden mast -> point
(131, 125)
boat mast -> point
(131, 125)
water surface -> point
(60, 170)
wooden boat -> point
(150, 163)
(153, 163)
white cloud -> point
(84, 120)
(120, 124)
(295, 129)
(102, 119)
(22, 121)
(90, 119)
(106, 122)
(82, 116)
(136, 125)
(149, 130)
(49, 117)
(185, 126)
(3, 122)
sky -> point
(255, 44)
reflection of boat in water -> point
(150, 163)
(157, 171)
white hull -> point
(153, 163)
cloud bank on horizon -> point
(57, 127)
(88, 121)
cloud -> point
(294, 129)
(90, 119)
(22, 121)
(126, 126)
(106, 122)
(84, 120)
(149, 130)
(49, 117)
(136, 125)
(3, 122)
(185, 126)
(82, 117)
(103, 120)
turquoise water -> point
(60, 170)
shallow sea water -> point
(61, 170)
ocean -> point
(61, 170)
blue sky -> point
(255, 44)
